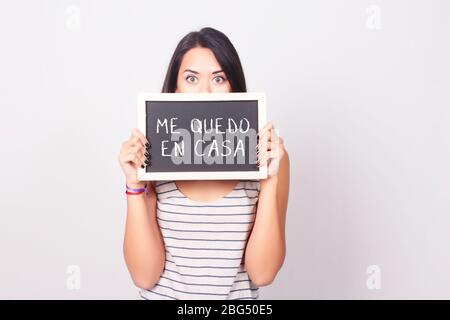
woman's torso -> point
(205, 244)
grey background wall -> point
(359, 89)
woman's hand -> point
(270, 149)
(133, 154)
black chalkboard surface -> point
(202, 136)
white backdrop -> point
(359, 89)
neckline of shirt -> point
(206, 202)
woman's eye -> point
(191, 79)
(219, 79)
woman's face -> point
(201, 73)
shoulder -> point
(250, 187)
(163, 186)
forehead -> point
(201, 60)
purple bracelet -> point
(137, 190)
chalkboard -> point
(202, 136)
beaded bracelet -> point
(132, 191)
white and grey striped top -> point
(205, 244)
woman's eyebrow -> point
(218, 71)
(189, 70)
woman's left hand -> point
(270, 149)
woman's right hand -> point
(133, 155)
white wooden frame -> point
(201, 175)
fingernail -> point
(147, 162)
(146, 154)
(147, 144)
(142, 166)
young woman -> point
(205, 239)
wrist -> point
(136, 184)
(271, 180)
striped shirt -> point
(205, 244)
